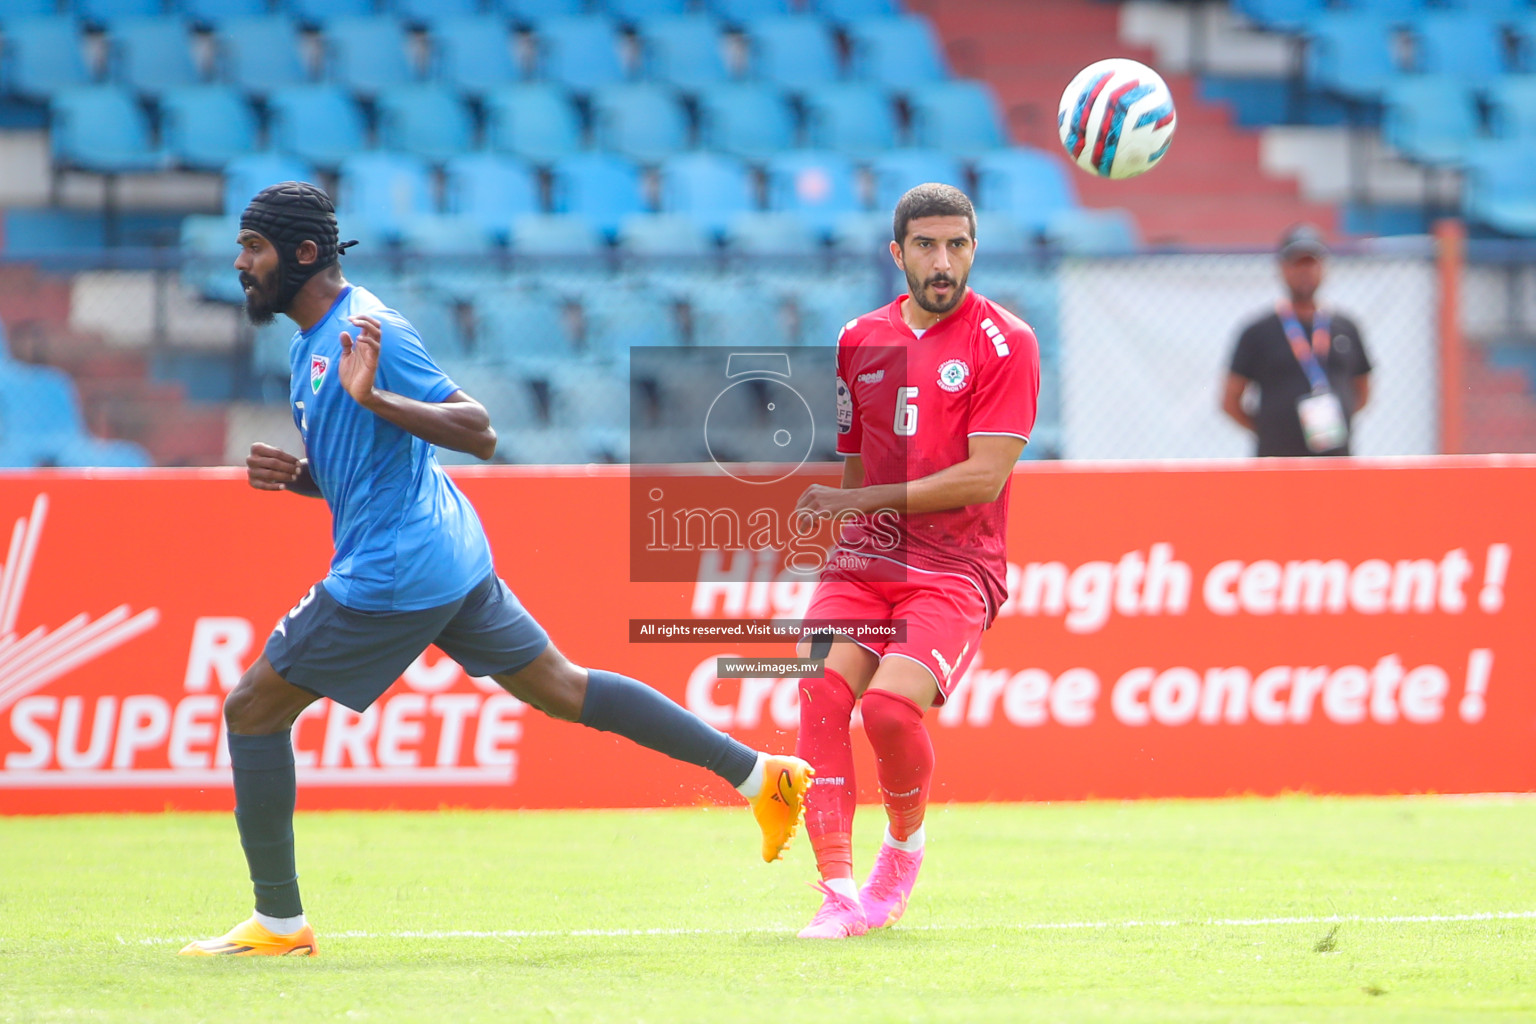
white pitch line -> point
(1039, 926)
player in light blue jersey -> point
(412, 566)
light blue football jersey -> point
(406, 538)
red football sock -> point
(826, 707)
(903, 758)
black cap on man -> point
(287, 215)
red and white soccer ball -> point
(1116, 119)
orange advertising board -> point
(1177, 629)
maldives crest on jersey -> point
(317, 368)
(953, 373)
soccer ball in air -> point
(1116, 119)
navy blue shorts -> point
(352, 657)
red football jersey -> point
(909, 405)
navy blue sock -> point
(618, 704)
(265, 791)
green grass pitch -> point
(1296, 909)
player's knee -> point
(240, 707)
(567, 691)
(552, 683)
(826, 693)
(890, 716)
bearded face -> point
(261, 295)
(939, 292)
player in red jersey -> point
(936, 398)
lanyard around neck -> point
(1307, 354)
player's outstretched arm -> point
(458, 422)
(272, 469)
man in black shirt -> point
(1307, 362)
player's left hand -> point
(822, 501)
(360, 358)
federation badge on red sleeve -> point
(844, 407)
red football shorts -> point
(944, 615)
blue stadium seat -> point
(770, 234)
(94, 452)
(960, 116)
(246, 175)
(474, 53)
(1350, 53)
(709, 187)
(844, 11)
(206, 126)
(554, 234)
(1001, 234)
(1396, 11)
(580, 51)
(818, 186)
(1280, 15)
(42, 56)
(261, 54)
(452, 256)
(751, 120)
(856, 118)
(900, 169)
(433, 12)
(319, 123)
(384, 190)
(108, 12)
(739, 12)
(601, 188)
(1512, 107)
(663, 234)
(216, 12)
(321, 12)
(684, 50)
(534, 120)
(531, 12)
(1504, 10)
(208, 250)
(641, 120)
(896, 52)
(1460, 44)
(624, 316)
(635, 11)
(433, 316)
(153, 54)
(1430, 118)
(793, 50)
(862, 233)
(1026, 184)
(1498, 191)
(368, 54)
(824, 311)
(427, 120)
(1084, 232)
(41, 424)
(594, 398)
(101, 128)
(24, 10)
(736, 313)
(490, 188)
(525, 329)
